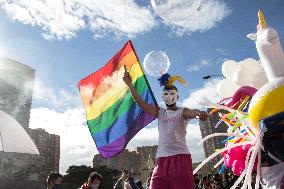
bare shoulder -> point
(186, 110)
(189, 114)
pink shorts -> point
(173, 172)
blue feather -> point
(164, 79)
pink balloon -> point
(246, 148)
(238, 167)
(230, 161)
(227, 160)
(237, 153)
(241, 92)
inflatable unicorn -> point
(268, 100)
(266, 110)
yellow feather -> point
(172, 79)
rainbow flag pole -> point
(112, 115)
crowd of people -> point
(127, 181)
(217, 181)
(211, 181)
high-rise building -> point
(16, 87)
(49, 149)
(140, 162)
(210, 145)
(18, 170)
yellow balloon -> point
(266, 105)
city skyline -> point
(17, 169)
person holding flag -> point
(174, 165)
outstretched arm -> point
(145, 106)
(194, 113)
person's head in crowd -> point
(209, 177)
(94, 180)
(125, 174)
(132, 182)
(196, 179)
(54, 181)
(139, 184)
(217, 178)
(205, 181)
(195, 176)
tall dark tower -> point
(210, 145)
(16, 88)
(19, 170)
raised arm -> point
(194, 113)
(145, 106)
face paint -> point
(170, 97)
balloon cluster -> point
(235, 158)
(249, 98)
(248, 72)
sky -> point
(66, 40)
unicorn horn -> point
(261, 19)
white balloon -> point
(156, 63)
(175, 11)
(228, 68)
(227, 88)
(252, 65)
(259, 79)
(242, 76)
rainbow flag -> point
(112, 115)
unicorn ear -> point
(252, 36)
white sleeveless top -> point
(172, 132)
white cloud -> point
(76, 143)
(198, 66)
(145, 137)
(64, 19)
(67, 119)
(193, 137)
(42, 92)
(221, 52)
(57, 99)
(204, 63)
(201, 96)
(186, 16)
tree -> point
(77, 175)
